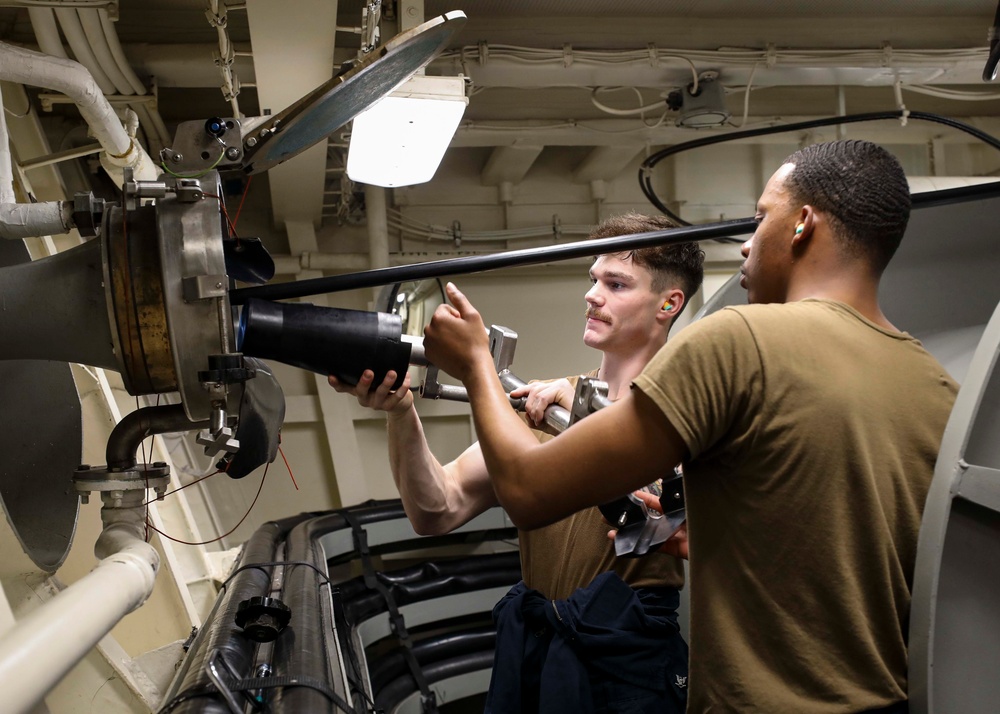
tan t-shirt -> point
(812, 435)
(569, 554)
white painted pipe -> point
(378, 226)
(47, 643)
(71, 78)
(43, 22)
(6, 167)
(90, 21)
(111, 37)
(24, 220)
(71, 27)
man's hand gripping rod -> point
(639, 529)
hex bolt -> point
(177, 158)
(160, 491)
(232, 153)
(252, 141)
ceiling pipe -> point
(43, 22)
(71, 78)
(71, 27)
(111, 37)
(90, 21)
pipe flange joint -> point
(104, 480)
(263, 618)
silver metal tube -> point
(417, 355)
(222, 306)
(556, 416)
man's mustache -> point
(598, 315)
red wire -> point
(242, 199)
(206, 542)
(288, 467)
(181, 488)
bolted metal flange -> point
(116, 483)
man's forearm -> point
(605, 456)
(505, 440)
(419, 476)
(437, 498)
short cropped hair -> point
(680, 264)
(862, 188)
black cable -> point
(990, 69)
(645, 169)
(262, 566)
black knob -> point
(262, 618)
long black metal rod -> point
(507, 259)
(533, 256)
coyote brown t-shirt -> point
(812, 435)
(569, 554)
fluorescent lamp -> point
(400, 140)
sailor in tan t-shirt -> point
(634, 300)
(808, 426)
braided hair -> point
(862, 188)
(680, 264)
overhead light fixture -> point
(400, 140)
(702, 108)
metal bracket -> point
(203, 287)
(591, 395)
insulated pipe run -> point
(118, 53)
(94, 31)
(137, 425)
(26, 220)
(306, 655)
(43, 22)
(220, 632)
(77, 39)
(71, 78)
(46, 644)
